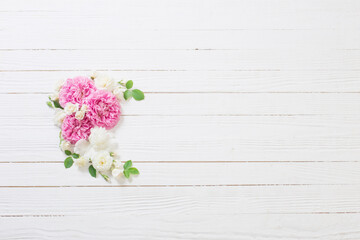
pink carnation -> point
(73, 130)
(103, 109)
(75, 90)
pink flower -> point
(73, 130)
(75, 90)
(103, 109)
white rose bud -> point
(70, 108)
(59, 117)
(58, 85)
(79, 115)
(54, 96)
(116, 172)
(81, 161)
(84, 108)
(119, 93)
(117, 164)
(65, 145)
(94, 75)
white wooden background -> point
(250, 128)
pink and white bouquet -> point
(86, 109)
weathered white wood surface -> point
(250, 128)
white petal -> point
(115, 172)
(81, 147)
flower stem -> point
(106, 177)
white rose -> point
(81, 161)
(102, 161)
(119, 93)
(79, 115)
(58, 85)
(115, 172)
(84, 108)
(59, 117)
(70, 108)
(65, 145)
(102, 139)
(105, 82)
(54, 96)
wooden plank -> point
(203, 14)
(198, 138)
(196, 104)
(186, 174)
(181, 60)
(198, 81)
(201, 201)
(184, 226)
(45, 36)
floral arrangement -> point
(86, 109)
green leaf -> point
(138, 94)
(133, 170)
(127, 165)
(92, 171)
(127, 94)
(75, 155)
(126, 173)
(129, 84)
(68, 162)
(67, 152)
(57, 104)
(49, 104)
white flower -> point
(105, 82)
(84, 108)
(79, 115)
(117, 164)
(102, 139)
(119, 93)
(102, 161)
(54, 96)
(81, 161)
(58, 85)
(65, 145)
(115, 172)
(70, 108)
(83, 148)
(59, 117)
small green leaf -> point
(129, 84)
(92, 171)
(75, 155)
(67, 152)
(127, 94)
(138, 94)
(126, 173)
(49, 104)
(57, 104)
(127, 165)
(68, 162)
(133, 170)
